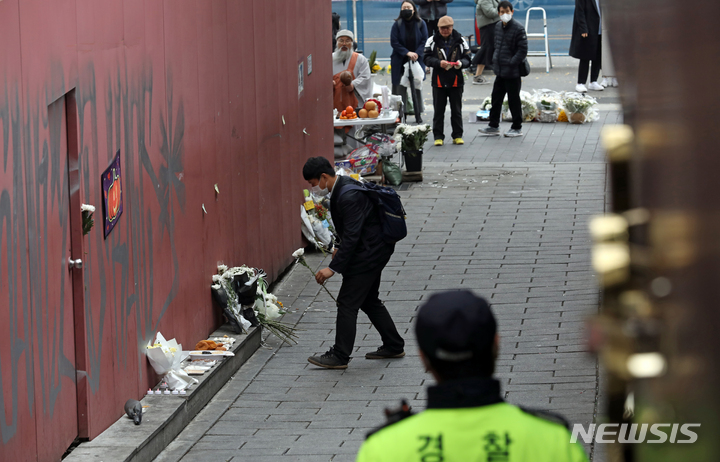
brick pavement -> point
(504, 217)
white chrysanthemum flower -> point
(87, 208)
(272, 312)
(216, 278)
(298, 253)
(216, 286)
(222, 269)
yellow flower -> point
(388, 68)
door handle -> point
(78, 264)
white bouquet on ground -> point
(549, 103)
(580, 108)
(166, 357)
(529, 108)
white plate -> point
(209, 354)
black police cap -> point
(456, 326)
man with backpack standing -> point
(511, 46)
(361, 256)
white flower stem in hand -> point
(300, 256)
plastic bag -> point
(418, 74)
(548, 117)
(382, 144)
(392, 172)
(580, 108)
(363, 160)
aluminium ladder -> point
(546, 53)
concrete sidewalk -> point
(506, 218)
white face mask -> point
(506, 17)
(320, 192)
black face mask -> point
(406, 14)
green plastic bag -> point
(392, 172)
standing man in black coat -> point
(447, 52)
(586, 43)
(360, 258)
(511, 48)
(431, 11)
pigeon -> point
(133, 409)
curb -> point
(166, 416)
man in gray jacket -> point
(431, 11)
(511, 46)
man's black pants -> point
(440, 98)
(511, 87)
(361, 292)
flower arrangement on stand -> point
(410, 140)
(242, 293)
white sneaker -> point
(594, 86)
(606, 82)
(580, 88)
(614, 82)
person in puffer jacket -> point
(511, 46)
(447, 52)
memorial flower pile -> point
(242, 293)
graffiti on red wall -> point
(125, 276)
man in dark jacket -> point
(511, 48)
(586, 43)
(360, 258)
(431, 11)
(447, 52)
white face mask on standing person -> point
(505, 18)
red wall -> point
(192, 93)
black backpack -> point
(388, 203)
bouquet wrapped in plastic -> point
(166, 357)
(529, 108)
(580, 108)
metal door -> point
(51, 285)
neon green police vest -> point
(494, 433)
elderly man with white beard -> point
(354, 89)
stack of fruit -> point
(348, 113)
(371, 110)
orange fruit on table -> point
(343, 113)
(370, 105)
(363, 113)
(349, 110)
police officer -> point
(466, 418)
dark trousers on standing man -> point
(432, 26)
(361, 292)
(440, 98)
(596, 65)
(511, 87)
